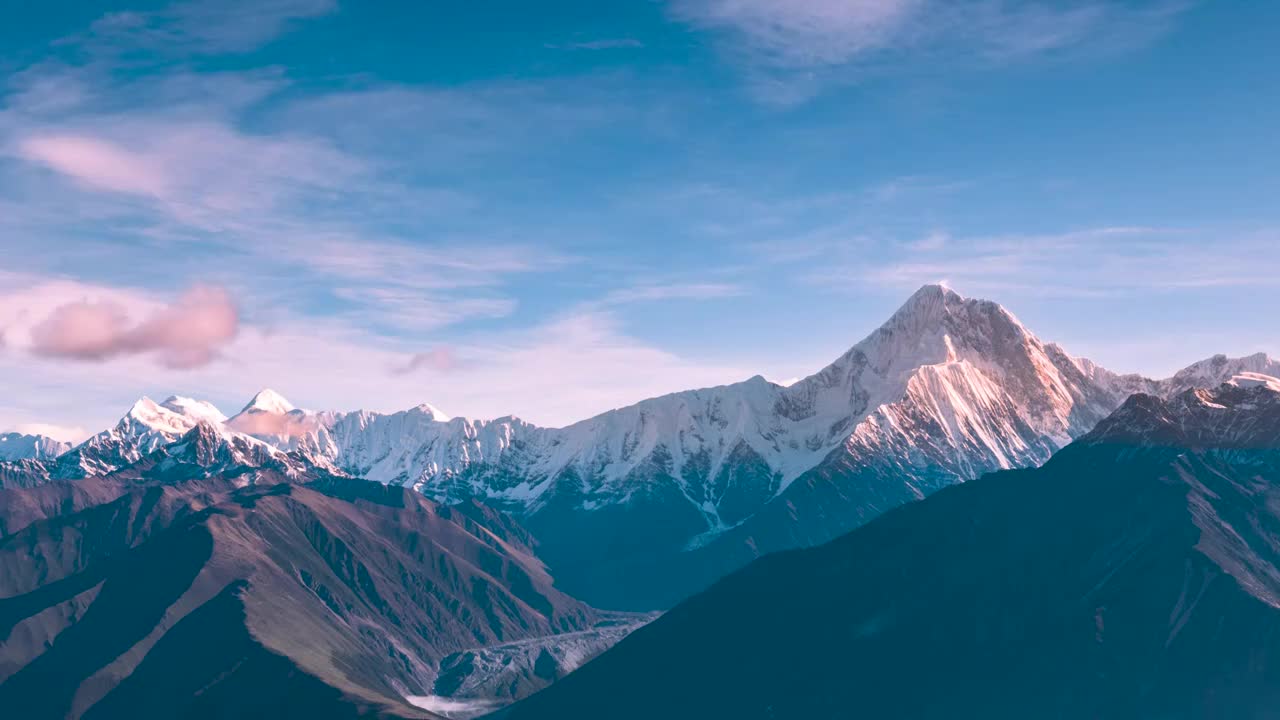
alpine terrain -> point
(641, 506)
(218, 597)
(1135, 575)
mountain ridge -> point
(948, 388)
(1134, 575)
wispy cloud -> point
(200, 173)
(788, 46)
(598, 44)
(440, 359)
(1105, 261)
(200, 26)
(672, 291)
(804, 33)
(65, 433)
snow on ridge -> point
(1253, 379)
(946, 379)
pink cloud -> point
(281, 424)
(97, 162)
(186, 334)
(441, 359)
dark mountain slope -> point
(1133, 576)
(213, 598)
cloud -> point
(187, 334)
(801, 33)
(935, 240)
(673, 291)
(1104, 261)
(201, 173)
(602, 44)
(97, 163)
(789, 47)
(200, 26)
(441, 360)
(550, 373)
(63, 433)
(267, 423)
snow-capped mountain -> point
(1241, 414)
(145, 428)
(1136, 574)
(17, 446)
(946, 390)
(638, 506)
(178, 439)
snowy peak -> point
(146, 414)
(1243, 413)
(18, 446)
(434, 412)
(196, 409)
(1252, 379)
(270, 401)
(1218, 369)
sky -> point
(552, 209)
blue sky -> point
(550, 209)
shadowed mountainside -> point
(1132, 576)
(209, 597)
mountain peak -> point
(194, 409)
(145, 409)
(1241, 413)
(436, 413)
(935, 290)
(270, 401)
(938, 325)
(1253, 379)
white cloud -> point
(1103, 261)
(672, 291)
(805, 32)
(73, 434)
(791, 47)
(601, 44)
(201, 173)
(202, 26)
(97, 163)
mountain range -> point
(1136, 574)
(678, 490)
(215, 598)
(402, 564)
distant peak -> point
(925, 310)
(929, 300)
(192, 408)
(268, 400)
(1253, 380)
(436, 413)
(145, 407)
(936, 290)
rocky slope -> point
(212, 597)
(1134, 575)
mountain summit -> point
(270, 401)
